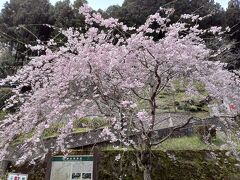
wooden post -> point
(4, 167)
(96, 158)
(48, 160)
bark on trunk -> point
(147, 174)
(4, 167)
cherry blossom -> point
(111, 71)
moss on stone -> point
(167, 165)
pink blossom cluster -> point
(95, 75)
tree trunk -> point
(4, 165)
(146, 158)
(147, 174)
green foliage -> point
(78, 3)
(21, 138)
(205, 133)
(2, 115)
(66, 15)
(63, 14)
(21, 23)
(5, 93)
(233, 21)
(233, 18)
(53, 130)
(8, 65)
(184, 165)
(183, 143)
(25, 12)
(92, 123)
(135, 12)
(202, 8)
(193, 143)
(175, 99)
(79, 126)
(113, 11)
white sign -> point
(72, 168)
(16, 176)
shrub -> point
(205, 132)
(5, 93)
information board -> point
(72, 168)
(16, 176)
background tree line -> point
(26, 21)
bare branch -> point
(172, 131)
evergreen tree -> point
(233, 21)
(78, 20)
(233, 18)
(78, 3)
(135, 12)
(63, 14)
(21, 23)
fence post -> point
(96, 158)
(48, 160)
(4, 167)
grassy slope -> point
(192, 143)
(189, 143)
(179, 101)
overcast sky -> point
(103, 4)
